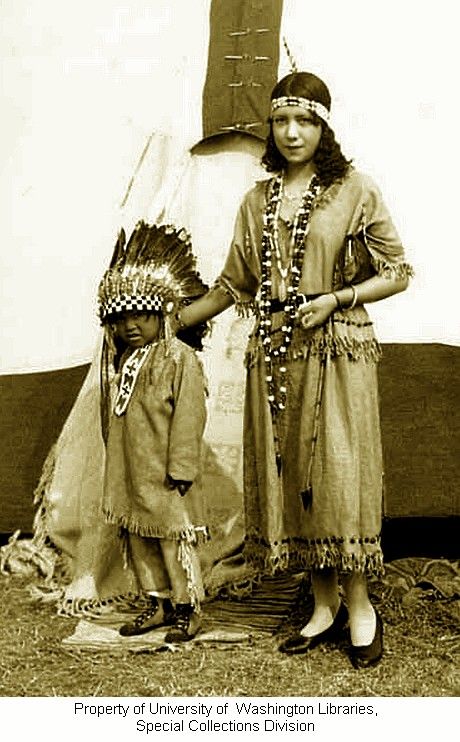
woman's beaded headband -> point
(308, 105)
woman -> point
(312, 449)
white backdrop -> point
(84, 84)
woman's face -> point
(296, 134)
(138, 328)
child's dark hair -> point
(330, 162)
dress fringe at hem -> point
(194, 535)
(315, 557)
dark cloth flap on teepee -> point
(242, 66)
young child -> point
(155, 424)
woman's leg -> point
(328, 619)
(327, 601)
(362, 617)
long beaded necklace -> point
(284, 270)
(290, 277)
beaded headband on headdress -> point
(154, 272)
(134, 301)
(306, 103)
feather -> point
(118, 250)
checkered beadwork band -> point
(130, 303)
(308, 105)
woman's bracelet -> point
(337, 300)
(354, 299)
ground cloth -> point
(273, 601)
(226, 621)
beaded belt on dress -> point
(276, 305)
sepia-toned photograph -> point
(230, 362)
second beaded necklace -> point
(289, 284)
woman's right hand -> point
(315, 313)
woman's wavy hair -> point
(329, 160)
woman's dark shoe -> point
(149, 619)
(299, 644)
(370, 654)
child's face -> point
(138, 328)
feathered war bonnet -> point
(155, 272)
